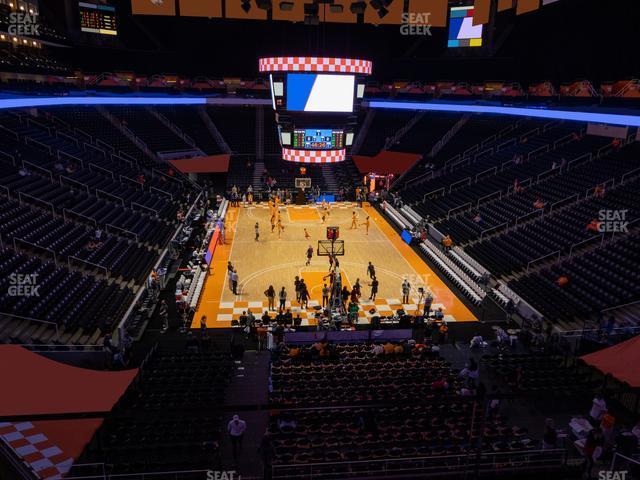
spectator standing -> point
(164, 316)
(236, 428)
(282, 296)
(270, 293)
(234, 282)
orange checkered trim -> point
(314, 156)
(315, 64)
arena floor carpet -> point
(276, 261)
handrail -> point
(120, 158)
(568, 199)
(128, 232)
(110, 196)
(536, 260)
(11, 132)
(607, 183)
(31, 244)
(527, 215)
(105, 146)
(535, 152)
(39, 168)
(588, 240)
(459, 182)
(82, 133)
(419, 177)
(95, 149)
(5, 188)
(37, 320)
(505, 144)
(71, 180)
(144, 207)
(62, 153)
(630, 172)
(162, 192)
(498, 192)
(69, 138)
(136, 299)
(136, 183)
(482, 174)
(22, 194)
(65, 211)
(547, 173)
(9, 156)
(586, 156)
(484, 232)
(620, 306)
(530, 133)
(73, 257)
(102, 169)
(483, 153)
(460, 207)
(38, 143)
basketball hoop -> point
(303, 183)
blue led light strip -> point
(53, 101)
(610, 118)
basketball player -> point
(354, 221)
(371, 270)
(306, 235)
(280, 228)
(309, 255)
(273, 222)
(325, 295)
(324, 218)
(366, 223)
(257, 229)
(374, 288)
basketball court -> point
(276, 260)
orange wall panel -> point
(201, 8)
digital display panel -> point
(98, 18)
(462, 31)
(309, 92)
(318, 139)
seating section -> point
(168, 413)
(190, 123)
(68, 240)
(597, 279)
(68, 299)
(237, 126)
(559, 186)
(157, 136)
(81, 201)
(439, 423)
(427, 131)
(511, 251)
(385, 124)
(539, 372)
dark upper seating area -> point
(190, 123)
(165, 417)
(153, 132)
(385, 124)
(558, 185)
(605, 277)
(68, 299)
(511, 251)
(238, 127)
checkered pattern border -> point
(314, 156)
(334, 206)
(383, 306)
(315, 64)
(47, 460)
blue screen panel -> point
(406, 236)
(299, 88)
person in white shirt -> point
(598, 408)
(236, 429)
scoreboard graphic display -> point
(96, 17)
(318, 139)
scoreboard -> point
(318, 139)
(98, 18)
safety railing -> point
(66, 137)
(486, 173)
(495, 229)
(579, 160)
(67, 212)
(121, 231)
(36, 320)
(565, 201)
(423, 467)
(460, 208)
(22, 196)
(38, 168)
(584, 242)
(94, 166)
(542, 258)
(35, 246)
(63, 178)
(144, 207)
(489, 197)
(527, 216)
(98, 150)
(109, 196)
(464, 181)
(64, 155)
(6, 156)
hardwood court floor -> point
(276, 261)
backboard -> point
(328, 248)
